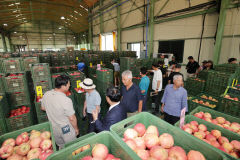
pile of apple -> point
(148, 145)
(220, 121)
(204, 103)
(213, 138)
(209, 98)
(16, 74)
(236, 88)
(231, 98)
(27, 146)
(200, 80)
(75, 73)
(19, 111)
(100, 152)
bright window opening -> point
(107, 42)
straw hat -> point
(87, 84)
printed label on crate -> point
(101, 62)
(15, 84)
(182, 117)
(12, 66)
(41, 73)
(77, 58)
(90, 64)
(39, 91)
(78, 83)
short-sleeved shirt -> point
(131, 98)
(172, 62)
(58, 107)
(174, 100)
(116, 67)
(157, 76)
(172, 75)
(93, 99)
(144, 84)
(192, 67)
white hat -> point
(87, 84)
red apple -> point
(202, 127)
(139, 141)
(198, 115)
(194, 128)
(198, 135)
(35, 142)
(151, 140)
(222, 139)
(46, 144)
(177, 152)
(166, 140)
(25, 137)
(188, 130)
(223, 149)
(100, 151)
(143, 154)
(215, 144)
(130, 133)
(207, 115)
(23, 149)
(216, 133)
(210, 137)
(206, 141)
(15, 157)
(19, 140)
(227, 146)
(214, 121)
(45, 154)
(45, 135)
(34, 134)
(236, 144)
(220, 120)
(6, 151)
(140, 128)
(194, 123)
(34, 153)
(158, 152)
(152, 130)
(131, 144)
(193, 155)
(9, 141)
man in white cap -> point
(92, 102)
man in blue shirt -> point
(174, 100)
(143, 85)
(131, 95)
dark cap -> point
(177, 65)
(190, 57)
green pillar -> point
(10, 43)
(40, 34)
(4, 42)
(90, 33)
(220, 30)
(151, 29)
(119, 47)
(101, 18)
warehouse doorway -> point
(176, 47)
(107, 42)
(135, 47)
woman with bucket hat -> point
(92, 102)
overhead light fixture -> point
(71, 15)
(59, 28)
(75, 11)
(74, 37)
(14, 32)
(80, 14)
(62, 17)
(11, 5)
(17, 3)
(5, 24)
(53, 33)
(25, 21)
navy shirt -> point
(131, 98)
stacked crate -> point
(55, 59)
(63, 59)
(41, 78)
(45, 58)
(195, 86)
(4, 110)
(2, 88)
(76, 77)
(104, 81)
(71, 58)
(27, 61)
(17, 94)
(11, 65)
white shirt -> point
(157, 77)
(111, 107)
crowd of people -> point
(123, 102)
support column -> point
(4, 42)
(90, 32)
(151, 29)
(119, 47)
(40, 34)
(101, 17)
(220, 30)
(10, 43)
(65, 36)
(54, 41)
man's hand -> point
(95, 114)
(162, 108)
(156, 91)
(77, 132)
(84, 113)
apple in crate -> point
(100, 151)
(9, 141)
(6, 151)
(195, 155)
(177, 152)
(45, 154)
(46, 144)
(34, 153)
(45, 135)
(35, 143)
(158, 152)
(23, 149)
(15, 157)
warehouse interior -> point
(116, 44)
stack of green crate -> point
(41, 78)
(195, 85)
(55, 59)
(17, 93)
(27, 61)
(4, 110)
(55, 75)
(230, 104)
(78, 57)
(203, 75)
(63, 59)
(127, 63)
(2, 89)
(76, 77)
(45, 58)
(201, 100)
(228, 68)
(217, 82)
(73, 68)
(71, 58)
(11, 65)
(91, 72)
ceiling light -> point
(14, 32)
(17, 3)
(62, 17)
(25, 21)
(74, 37)
(5, 24)
(24, 18)
(11, 5)
(75, 11)
(71, 15)
(59, 28)
(80, 14)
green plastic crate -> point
(181, 138)
(19, 122)
(41, 115)
(200, 96)
(104, 75)
(18, 98)
(229, 106)
(2, 88)
(40, 71)
(15, 83)
(3, 126)
(192, 105)
(45, 84)
(230, 135)
(12, 65)
(76, 78)
(54, 76)
(28, 61)
(79, 139)
(115, 147)
(40, 127)
(4, 108)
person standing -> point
(115, 113)
(143, 85)
(173, 61)
(92, 102)
(204, 65)
(209, 65)
(232, 61)
(175, 72)
(174, 100)
(156, 86)
(60, 112)
(192, 67)
(131, 95)
(116, 72)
